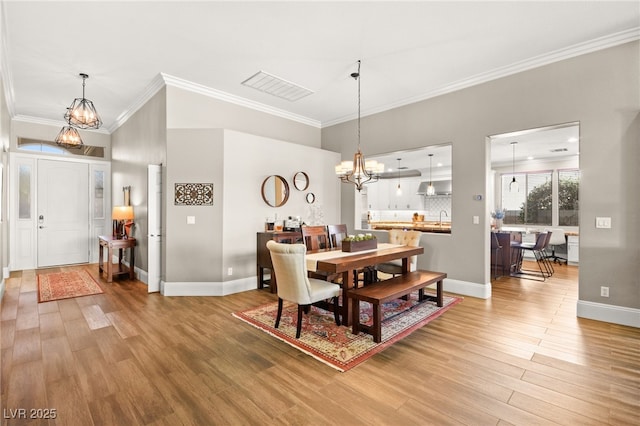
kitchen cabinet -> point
(382, 195)
(507, 260)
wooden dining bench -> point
(387, 290)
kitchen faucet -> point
(446, 215)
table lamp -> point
(120, 215)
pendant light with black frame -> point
(81, 114)
(514, 186)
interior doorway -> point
(534, 181)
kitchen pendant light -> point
(82, 114)
(69, 137)
(513, 186)
(359, 172)
(430, 189)
(399, 190)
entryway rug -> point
(335, 345)
(65, 285)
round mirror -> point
(301, 181)
(311, 198)
(275, 191)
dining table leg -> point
(347, 310)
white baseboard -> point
(141, 275)
(207, 288)
(467, 288)
(609, 313)
(5, 272)
(2, 287)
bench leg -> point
(439, 295)
(377, 323)
(355, 316)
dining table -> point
(335, 261)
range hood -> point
(442, 187)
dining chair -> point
(315, 237)
(294, 285)
(405, 238)
(337, 233)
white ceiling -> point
(409, 50)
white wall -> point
(224, 235)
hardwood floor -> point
(126, 357)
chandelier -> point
(359, 172)
(82, 114)
(69, 137)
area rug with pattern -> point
(335, 345)
(65, 285)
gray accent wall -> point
(600, 91)
(134, 145)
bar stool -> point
(496, 248)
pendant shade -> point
(82, 113)
(513, 186)
(69, 137)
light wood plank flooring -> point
(131, 358)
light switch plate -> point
(603, 222)
(476, 220)
(191, 220)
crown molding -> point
(5, 71)
(601, 43)
(237, 100)
(56, 123)
(149, 92)
(162, 80)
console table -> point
(119, 268)
(263, 257)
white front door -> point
(62, 213)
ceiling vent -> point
(276, 86)
(559, 150)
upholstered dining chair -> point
(294, 285)
(405, 238)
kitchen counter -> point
(436, 227)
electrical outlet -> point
(230, 271)
(604, 291)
